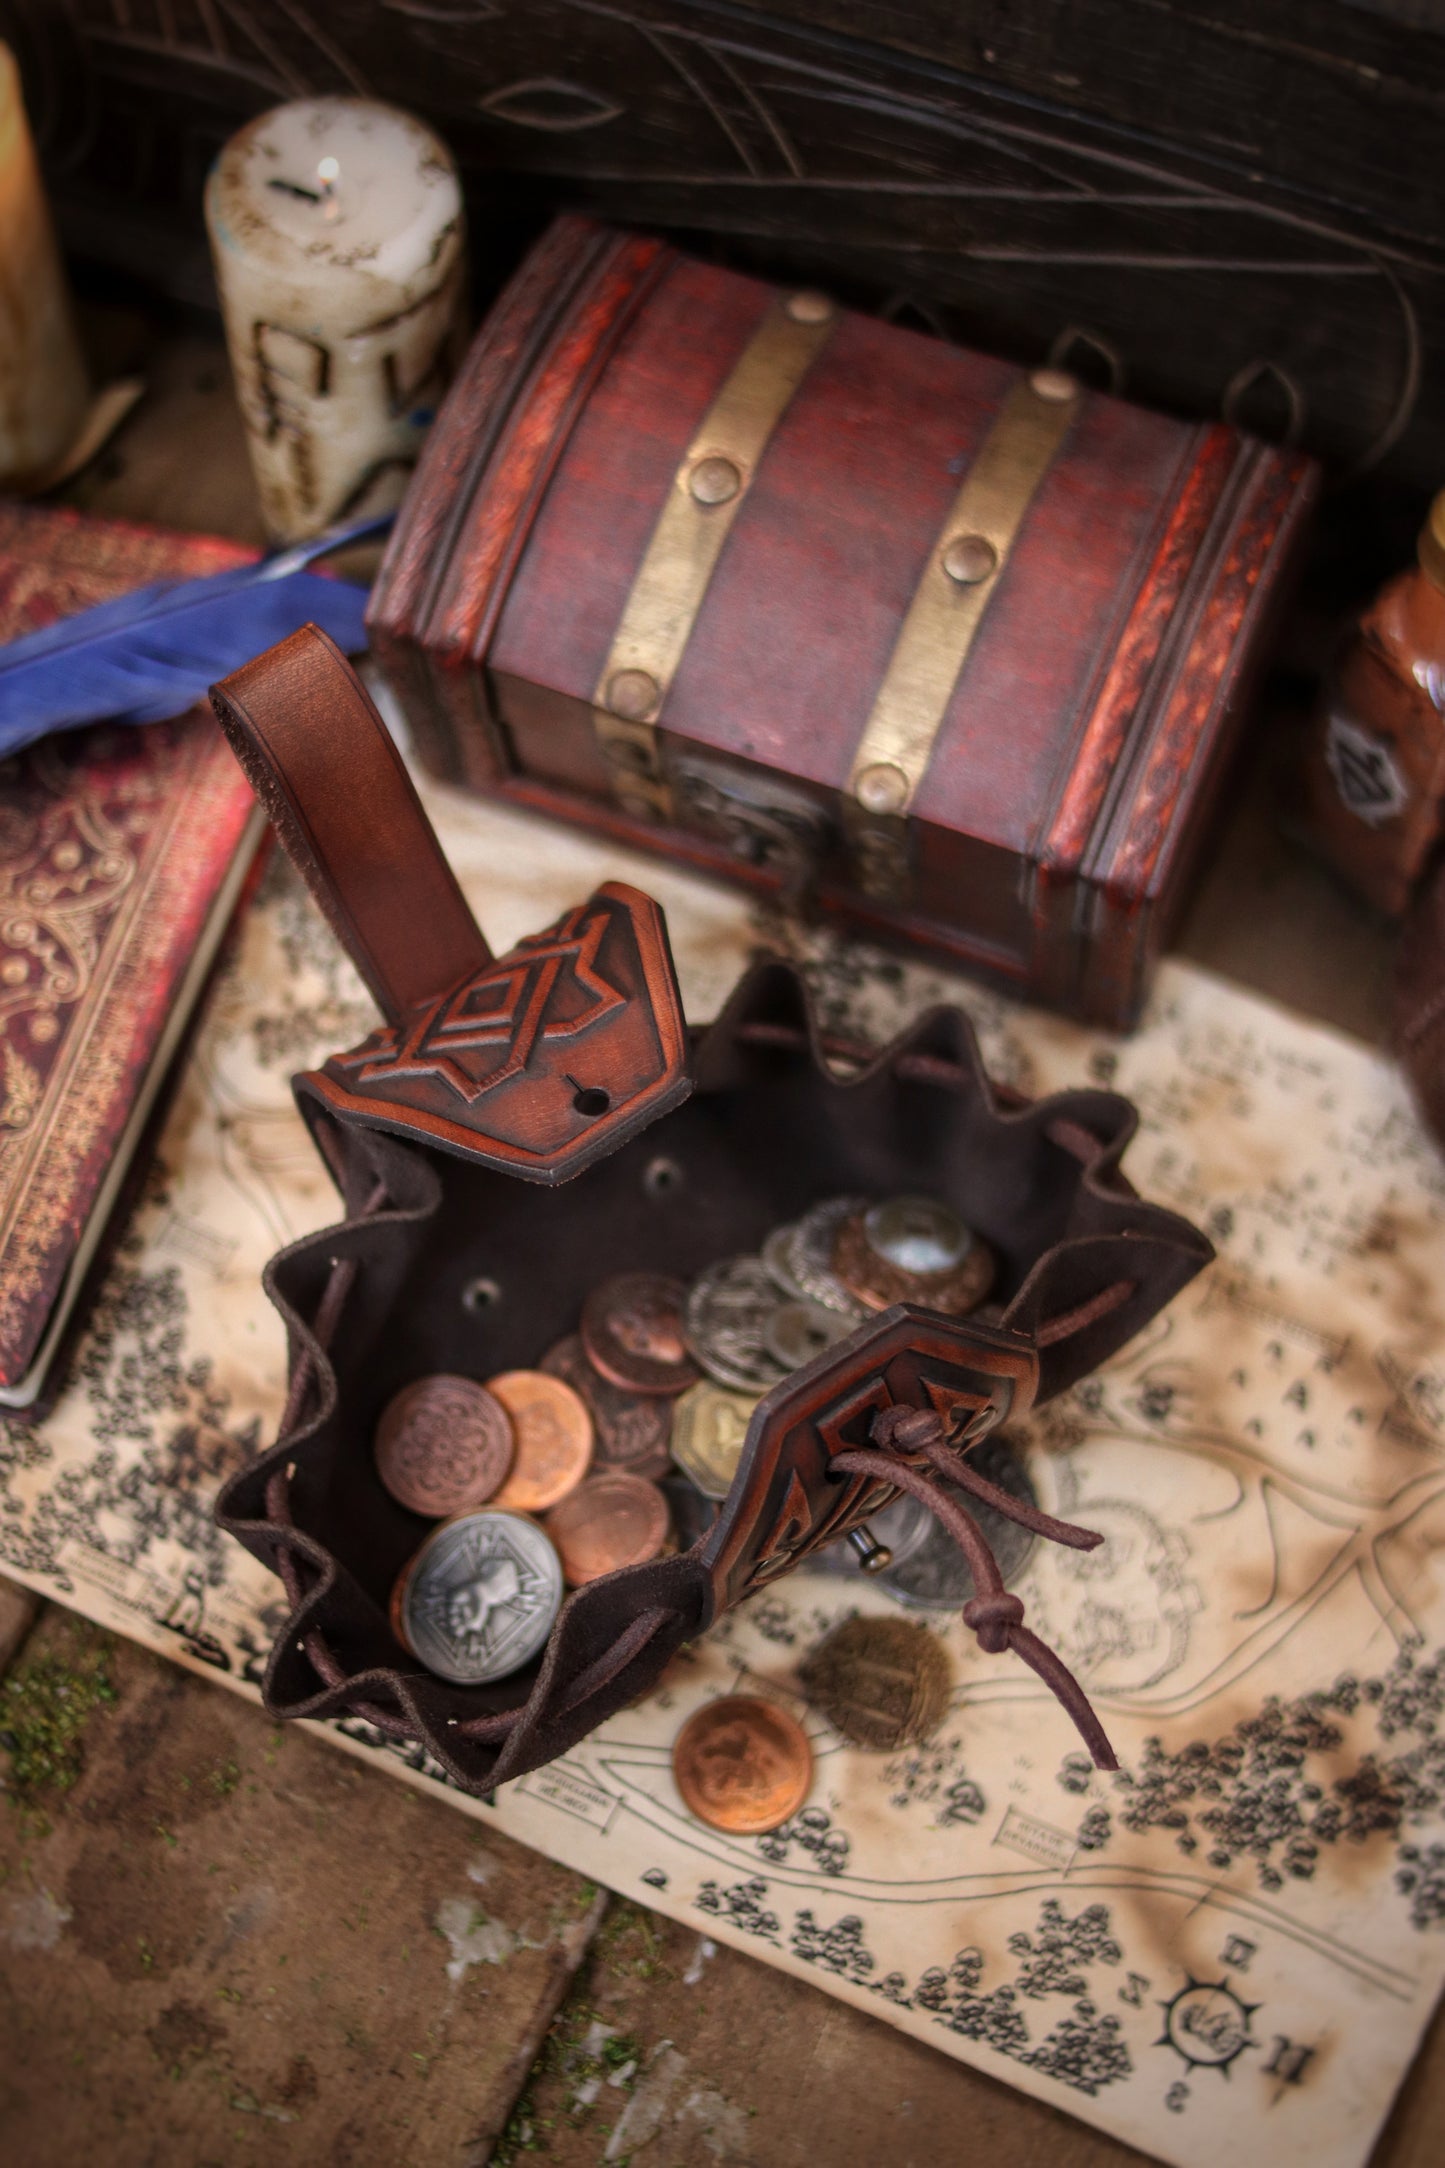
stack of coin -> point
(629, 1431)
(912, 1249)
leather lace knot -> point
(910, 1435)
(990, 1617)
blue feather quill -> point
(152, 653)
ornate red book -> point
(122, 852)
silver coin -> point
(810, 1256)
(480, 1597)
(726, 1321)
(917, 1234)
(775, 1258)
(937, 1576)
(904, 1526)
(797, 1331)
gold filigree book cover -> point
(122, 852)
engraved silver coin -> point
(917, 1234)
(809, 1256)
(937, 1576)
(726, 1323)
(775, 1257)
(480, 1596)
(904, 1527)
(797, 1331)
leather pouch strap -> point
(323, 765)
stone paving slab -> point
(225, 1942)
(673, 2051)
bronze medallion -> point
(632, 1333)
(918, 1234)
(611, 1520)
(881, 1682)
(553, 1433)
(742, 1764)
(877, 1281)
(630, 1430)
(709, 1431)
(443, 1446)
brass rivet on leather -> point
(809, 307)
(632, 694)
(714, 481)
(1055, 385)
(881, 788)
(969, 558)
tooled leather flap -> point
(539, 1064)
(786, 1501)
(323, 764)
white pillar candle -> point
(337, 234)
(43, 388)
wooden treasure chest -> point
(956, 650)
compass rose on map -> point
(1207, 2024)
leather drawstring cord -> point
(992, 1612)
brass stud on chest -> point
(969, 559)
(714, 481)
(883, 788)
(632, 694)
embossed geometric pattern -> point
(542, 1062)
(548, 988)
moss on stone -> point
(45, 1706)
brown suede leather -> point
(433, 1203)
(322, 763)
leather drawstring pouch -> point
(524, 1126)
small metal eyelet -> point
(661, 1176)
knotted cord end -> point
(904, 1436)
(991, 1617)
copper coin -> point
(742, 1764)
(443, 1446)
(612, 1520)
(631, 1429)
(632, 1332)
(882, 1682)
(553, 1433)
(877, 1282)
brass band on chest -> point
(962, 574)
(706, 494)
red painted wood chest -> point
(955, 648)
